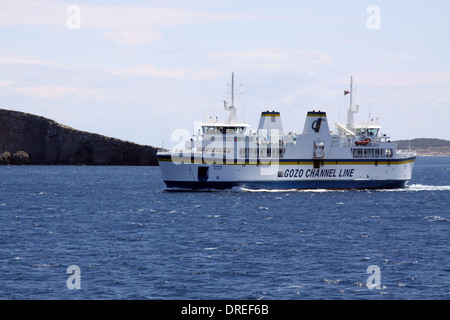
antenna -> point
(351, 92)
(339, 113)
(231, 108)
(214, 101)
(243, 109)
(351, 109)
(232, 89)
(165, 133)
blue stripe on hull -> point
(322, 184)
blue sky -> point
(138, 70)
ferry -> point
(223, 155)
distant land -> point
(426, 146)
(30, 139)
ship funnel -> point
(270, 120)
(316, 123)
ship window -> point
(388, 153)
(212, 129)
(240, 130)
(368, 153)
(377, 153)
(357, 153)
(272, 119)
(265, 152)
(275, 153)
(372, 131)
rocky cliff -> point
(31, 139)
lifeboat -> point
(362, 142)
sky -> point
(140, 70)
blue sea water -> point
(132, 239)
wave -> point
(421, 187)
(413, 187)
(176, 189)
(241, 189)
(436, 218)
(417, 187)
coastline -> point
(31, 139)
(433, 155)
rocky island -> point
(30, 139)
(426, 146)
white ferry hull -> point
(225, 155)
(288, 174)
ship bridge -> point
(223, 128)
(369, 130)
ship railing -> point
(406, 153)
(349, 141)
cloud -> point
(33, 13)
(266, 59)
(124, 24)
(404, 79)
(272, 59)
(133, 16)
(177, 74)
(5, 83)
(13, 58)
(132, 36)
(59, 92)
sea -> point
(116, 232)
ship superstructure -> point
(228, 154)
